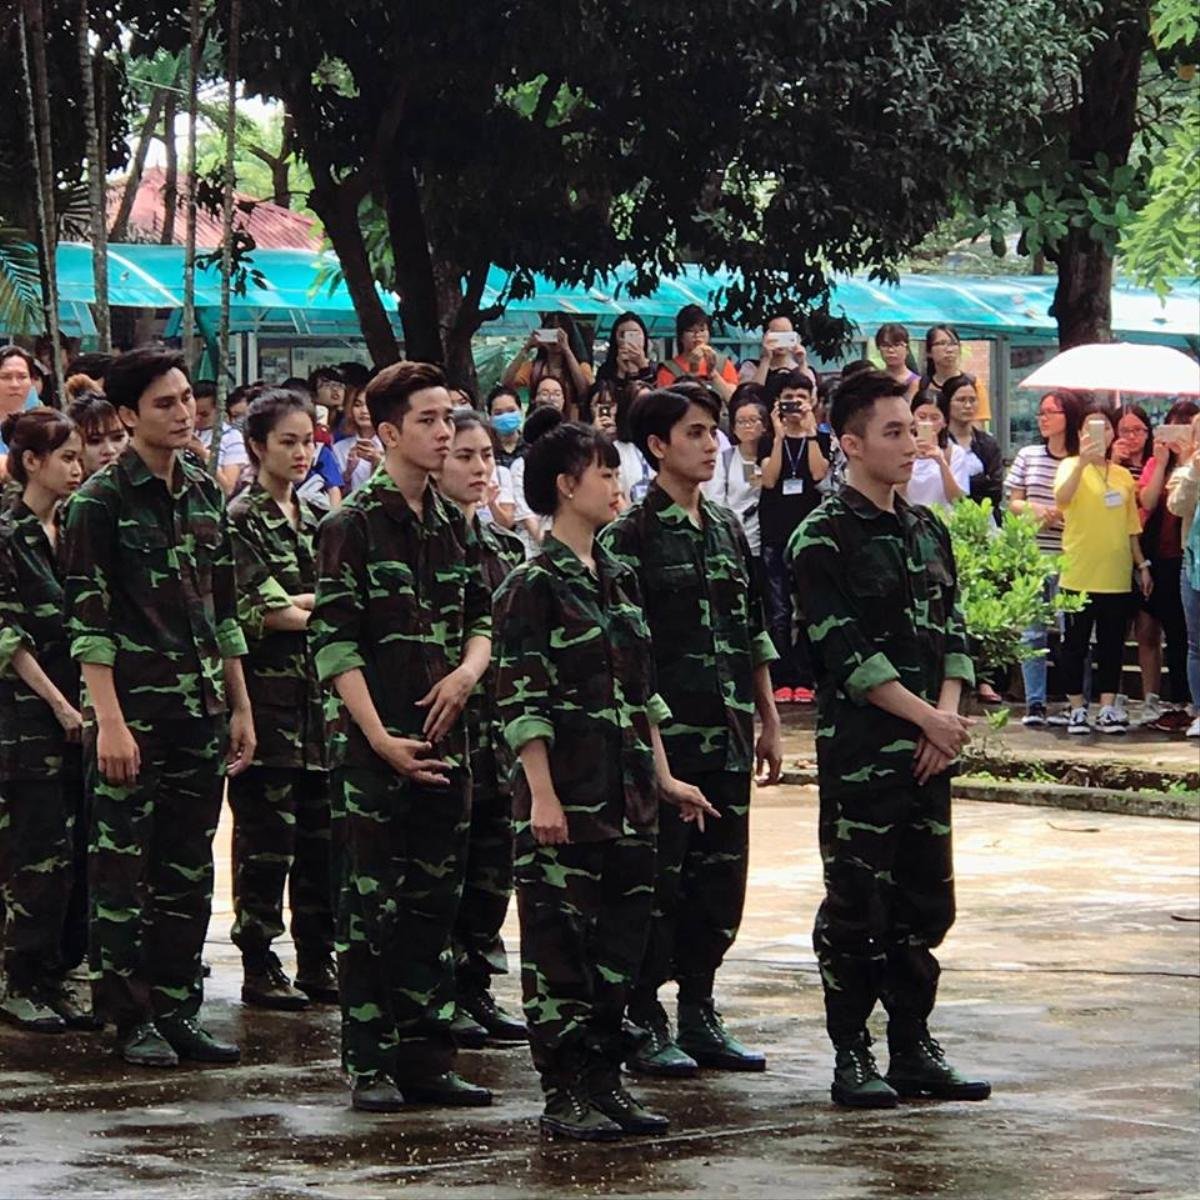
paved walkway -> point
(1069, 980)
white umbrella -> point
(1120, 367)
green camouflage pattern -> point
(479, 950)
(398, 597)
(889, 901)
(151, 870)
(281, 835)
(398, 854)
(699, 890)
(584, 908)
(574, 668)
(878, 592)
(150, 587)
(272, 563)
(37, 856)
(704, 610)
(33, 744)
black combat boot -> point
(919, 1068)
(266, 985)
(856, 1079)
(703, 1035)
(193, 1043)
(316, 977)
(658, 1054)
(608, 1096)
(499, 1024)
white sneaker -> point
(1193, 730)
(1078, 722)
(1121, 708)
(1109, 720)
(1152, 709)
(1062, 719)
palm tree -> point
(97, 190)
(235, 20)
(20, 282)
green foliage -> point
(1001, 577)
(20, 286)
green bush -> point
(1001, 580)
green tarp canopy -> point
(297, 295)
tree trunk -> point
(188, 325)
(37, 93)
(281, 179)
(461, 319)
(171, 177)
(235, 20)
(97, 190)
(1103, 122)
(120, 226)
(337, 206)
(413, 263)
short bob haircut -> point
(689, 317)
(795, 380)
(856, 396)
(131, 373)
(267, 409)
(891, 333)
(10, 351)
(391, 391)
(567, 449)
(38, 431)
(658, 412)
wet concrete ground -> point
(1069, 980)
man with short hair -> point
(782, 352)
(152, 619)
(401, 629)
(874, 577)
(712, 652)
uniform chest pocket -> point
(141, 543)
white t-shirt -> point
(362, 468)
(522, 511)
(503, 478)
(635, 472)
(232, 451)
(925, 486)
(729, 487)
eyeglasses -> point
(941, 345)
(747, 422)
(1050, 412)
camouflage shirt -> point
(878, 592)
(501, 552)
(573, 667)
(398, 597)
(150, 587)
(273, 562)
(705, 616)
(32, 742)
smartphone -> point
(631, 337)
(791, 408)
(926, 432)
(752, 472)
(546, 337)
(604, 410)
(783, 341)
(1093, 430)
(1177, 437)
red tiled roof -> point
(271, 226)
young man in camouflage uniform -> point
(151, 615)
(712, 651)
(875, 580)
(401, 629)
(575, 686)
(479, 952)
(281, 802)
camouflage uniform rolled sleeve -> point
(525, 676)
(12, 635)
(336, 624)
(87, 555)
(231, 641)
(658, 710)
(258, 592)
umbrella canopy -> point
(1120, 367)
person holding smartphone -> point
(630, 352)
(359, 451)
(794, 459)
(559, 353)
(1183, 500)
(782, 352)
(1101, 551)
(941, 475)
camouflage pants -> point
(398, 857)
(584, 908)
(281, 836)
(889, 899)
(151, 870)
(75, 925)
(37, 835)
(699, 889)
(479, 951)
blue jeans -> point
(792, 668)
(1035, 670)
(1191, 614)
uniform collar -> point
(383, 487)
(566, 562)
(264, 503)
(136, 471)
(863, 507)
(660, 502)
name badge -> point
(1113, 499)
(793, 487)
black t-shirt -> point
(794, 495)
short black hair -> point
(245, 391)
(779, 381)
(326, 374)
(92, 411)
(267, 409)
(567, 449)
(203, 388)
(500, 390)
(658, 412)
(131, 373)
(12, 351)
(295, 384)
(389, 393)
(856, 397)
(95, 364)
(539, 422)
(688, 317)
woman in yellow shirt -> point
(1101, 549)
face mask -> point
(507, 423)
